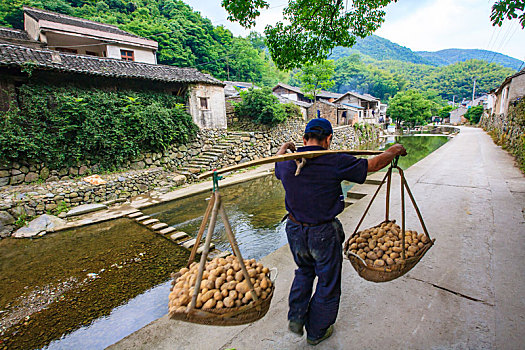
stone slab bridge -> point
(466, 293)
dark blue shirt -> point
(315, 195)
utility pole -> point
(453, 99)
(473, 91)
(228, 67)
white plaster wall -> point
(31, 27)
(215, 116)
(141, 55)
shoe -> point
(296, 327)
(327, 335)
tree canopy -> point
(410, 108)
(508, 9)
(311, 28)
(316, 77)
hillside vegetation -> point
(374, 65)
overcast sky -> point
(421, 25)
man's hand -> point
(379, 162)
(286, 146)
(397, 149)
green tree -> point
(410, 108)
(445, 111)
(311, 28)
(316, 77)
(260, 105)
(508, 9)
(473, 114)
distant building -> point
(457, 114)
(294, 93)
(232, 88)
(370, 106)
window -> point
(65, 49)
(127, 55)
(204, 102)
(91, 53)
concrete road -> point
(468, 292)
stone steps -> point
(178, 237)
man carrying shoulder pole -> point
(313, 200)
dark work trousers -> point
(317, 251)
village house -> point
(369, 106)
(510, 90)
(294, 93)
(233, 88)
(59, 49)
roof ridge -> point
(58, 14)
(13, 29)
(98, 58)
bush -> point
(473, 114)
(64, 126)
(292, 110)
(261, 106)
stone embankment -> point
(508, 130)
(56, 192)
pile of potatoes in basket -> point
(381, 246)
(223, 285)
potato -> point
(238, 303)
(243, 286)
(353, 246)
(390, 261)
(208, 295)
(210, 304)
(219, 282)
(252, 272)
(372, 244)
(219, 304)
(225, 293)
(265, 283)
(265, 270)
(360, 240)
(379, 263)
(424, 239)
(228, 302)
(239, 276)
(371, 255)
(420, 245)
(394, 255)
(229, 278)
(264, 295)
(233, 294)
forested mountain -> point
(450, 56)
(382, 49)
(185, 38)
(374, 65)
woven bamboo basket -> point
(227, 316)
(390, 272)
(224, 316)
(385, 273)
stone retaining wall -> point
(175, 156)
(58, 191)
(508, 130)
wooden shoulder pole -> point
(288, 156)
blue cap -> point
(319, 126)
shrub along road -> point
(466, 293)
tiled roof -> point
(328, 94)
(283, 99)
(14, 55)
(11, 33)
(288, 87)
(367, 97)
(39, 14)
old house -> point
(77, 35)
(370, 106)
(232, 88)
(456, 116)
(54, 50)
(294, 93)
(510, 90)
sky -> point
(421, 25)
